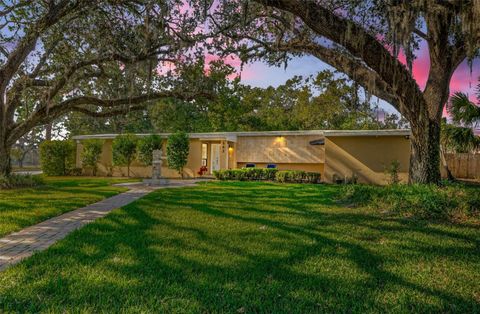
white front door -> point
(215, 157)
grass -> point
(249, 247)
(20, 208)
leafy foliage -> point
(297, 176)
(124, 150)
(146, 145)
(323, 101)
(92, 149)
(464, 111)
(97, 58)
(448, 202)
(246, 174)
(264, 174)
(57, 157)
(15, 181)
(459, 139)
(178, 147)
(459, 136)
(392, 170)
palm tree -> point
(460, 137)
(464, 111)
(465, 114)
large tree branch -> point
(29, 41)
(353, 68)
(359, 43)
(45, 115)
(57, 84)
(109, 113)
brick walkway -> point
(22, 244)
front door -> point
(215, 157)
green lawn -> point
(251, 248)
(20, 208)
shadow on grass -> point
(227, 247)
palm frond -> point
(459, 139)
(462, 110)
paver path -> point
(22, 244)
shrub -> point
(57, 157)
(448, 202)
(14, 181)
(264, 174)
(392, 172)
(312, 177)
(92, 149)
(247, 174)
(297, 176)
(75, 172)
(230, 174)
(145, 147)
(124, 150)
(178, 147)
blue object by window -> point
(271, 166)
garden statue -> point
(156, 169)
(157, 164)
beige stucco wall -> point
(279, 149)
(291, 152)
(366, 157)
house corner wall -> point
(365, 157)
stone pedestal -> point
(157, 178)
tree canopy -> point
(100, 58)
(324, 101)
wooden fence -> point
(464, 166)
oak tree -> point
(363, 39)
(100, 58)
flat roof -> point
(232, 136)
(392, 132)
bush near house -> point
(447, 202)
(248, 174)
(296, 176)
(92, 149)
(178, 147)
(145, 147)
(124, 150)
(57, 157)
(264, 174)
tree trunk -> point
(5, 162)
(425, 152)
(48, 132)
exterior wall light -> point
(280, 140)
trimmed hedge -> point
(57, 157)
(264, 174)
(297, 176)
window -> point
(204, 154)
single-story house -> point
(336, 155)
